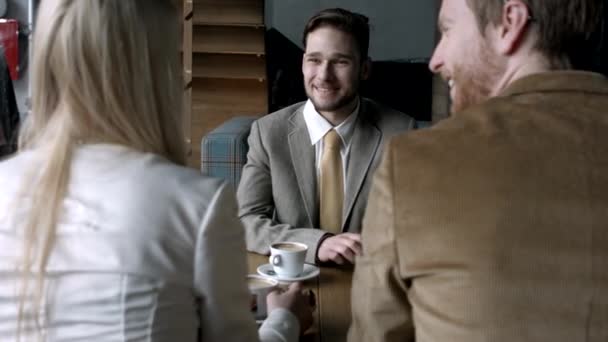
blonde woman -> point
(102, 236)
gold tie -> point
(332, 184)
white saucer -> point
(310, 271)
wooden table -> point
(332, 289)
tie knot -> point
(332, 139)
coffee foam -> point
(290, 247)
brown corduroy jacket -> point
(493, 225)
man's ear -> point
(514, 25)
(366, 69)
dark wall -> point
(593, 54)
(601, 60)
(400, 29)
(402, 84)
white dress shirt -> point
(145, 250)
(318, 126)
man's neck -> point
(520, 67)
(338, 116)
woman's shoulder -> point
(148, 174)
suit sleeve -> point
(256, 205)
(380, 307)
(220, 267)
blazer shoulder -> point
(174, 182)
(281, 116)
(387, 118)
(429, 144)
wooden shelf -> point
(229, 67)
(228, 40)
(214, 101)
(229, 13)
(243, 97)
(207, 3)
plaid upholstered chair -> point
(224, 150)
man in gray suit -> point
(291, 188)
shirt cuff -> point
(327, 235)
(281, 325)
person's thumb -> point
(294, 287)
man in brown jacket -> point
(493, 225)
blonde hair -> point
(103, 71)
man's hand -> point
(341, 248)
(294, 300)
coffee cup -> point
(259, 288)
(287, 258)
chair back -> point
(224, 150)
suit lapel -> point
(303, 159)
(365, 143)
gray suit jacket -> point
(277, 194)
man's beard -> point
(476, 79)
(339, 103)
(334, 106)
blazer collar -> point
(303, 160)
(365, 143)
(553, 81)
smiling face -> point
(332, 70)
(463, 57)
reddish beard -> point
(476, 78)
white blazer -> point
(145, 251)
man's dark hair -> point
(346, 21)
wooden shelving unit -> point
(221, 99)
(242, 97)
(238, 40)
(186, 54)
(228, 66)
(230, 13)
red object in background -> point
(9, 34)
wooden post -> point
(188, 14)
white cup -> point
(259, 288)
(287, 258)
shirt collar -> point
(318, 126)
